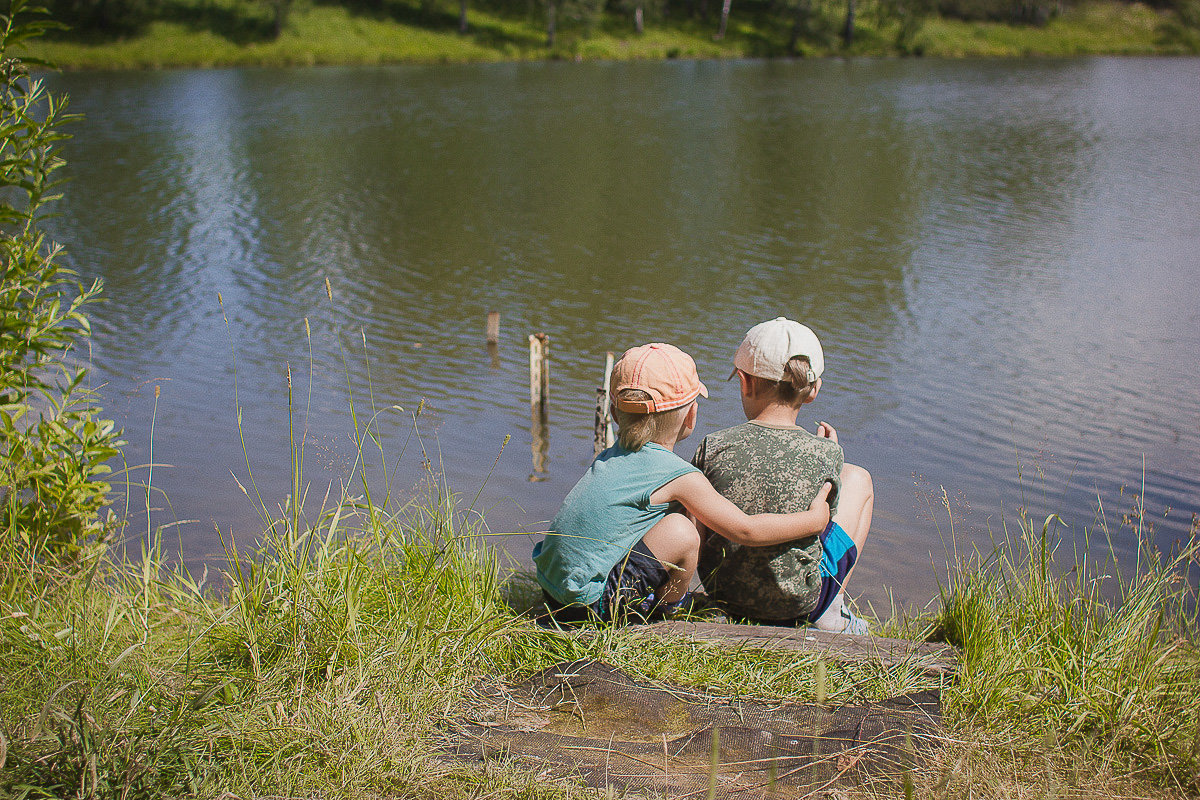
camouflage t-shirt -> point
(766, 469)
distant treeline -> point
(263, 20)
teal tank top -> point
(602, 518)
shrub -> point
(106, 17)
(1181, 30)
(1033, 12)
(53, 444)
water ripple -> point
(992, 252)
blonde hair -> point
(797, 383)
(636, 430)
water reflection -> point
(990, 251)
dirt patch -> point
(590, 719)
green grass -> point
(320, 662)
(324, 660)
(1053, 663)
(1090, 29)
(334, 35)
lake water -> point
(1002, 259)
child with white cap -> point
(769, 464)
(618, 548)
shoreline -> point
(327, 36)
(57, 67)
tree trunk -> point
(638, 24)
(725, 18)
(848, 30)
(462, 16)
(280, 19)
(551, 23)
(799, 25)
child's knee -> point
(681, 530)
(857, 480)
(673, 538)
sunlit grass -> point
(1089, 29)
(325, 658)
(1069, 660)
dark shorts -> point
(629, 592)
(838, 554)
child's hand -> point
(826, 431)
(820, 503)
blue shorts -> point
(838, 554)
(629, 592)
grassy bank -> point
(321, 34)
(325, 661)
(1091, 29)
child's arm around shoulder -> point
(697, 495)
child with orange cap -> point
(770, 464)
(617, 549)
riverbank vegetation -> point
(175, 33)
(328, 659)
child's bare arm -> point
(717, 514)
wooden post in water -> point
(539, 370)
(493, 337)
(539, 393)
(599, 438)
(539, 444)
(493, 327)
(603, 431)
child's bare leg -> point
(855, 506)
(676, 544)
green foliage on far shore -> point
(211, 33)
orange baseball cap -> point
(662, 371)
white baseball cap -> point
(768, 347)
